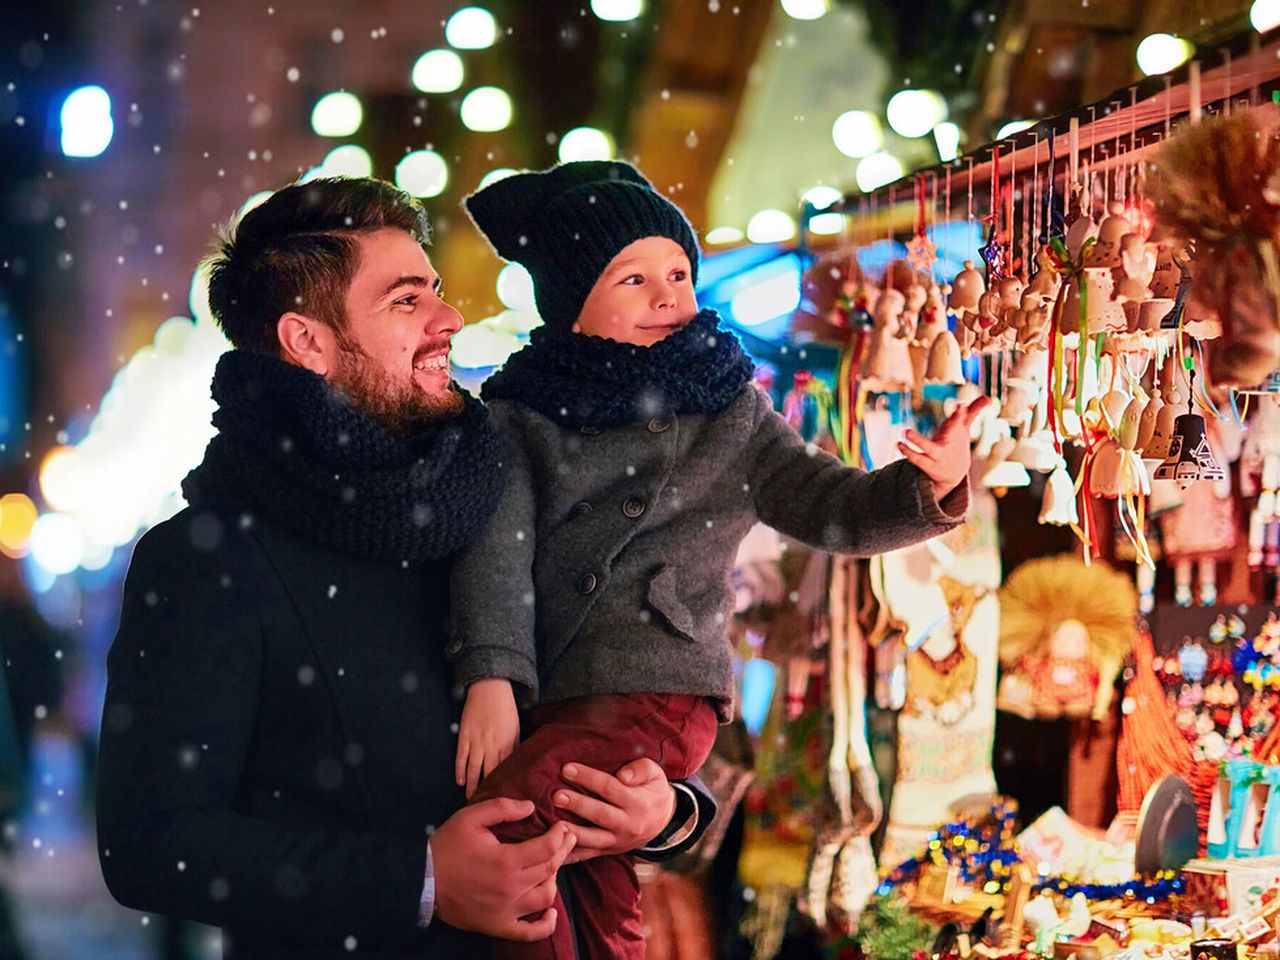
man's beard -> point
(399, 407)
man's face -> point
(393, 357)
(644, 295)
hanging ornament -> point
(1190, 457)
(944, 361)
(1215, 185)
(921, 251)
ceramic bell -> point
(1114, 404)
(967, 289)
(944, 360)
(1106, 251)
(1080, 231)
(916, 298)
(1001, 472)
(1147, 424)
(933, 317)
(1130, 423)
(1190, 456)
(1035, 451)
(1104, 475)
(1172, 391)
(887, 365)
(1059, 504)
(1100, 312)
(1047, 281)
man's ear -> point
(305, 342)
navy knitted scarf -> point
(293, 447)
(580, 381)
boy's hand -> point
(945, 459)
(487, 733)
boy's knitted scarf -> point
(293, 447)
(581, 381)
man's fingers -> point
(603, 785)
(594, 811)
(490, 813)
(536, 899)
(538, 850)
(591, 838)
(640, 771)
(529, 930)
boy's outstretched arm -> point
(805, 493)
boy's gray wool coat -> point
(605, 569)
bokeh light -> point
(913, 113)
(422, 173)
(438, 71)
(337, 115)
(471, 28)
(586, 143)
(486, 110)
(86, 122)
(857, 133)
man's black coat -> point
(278, 741)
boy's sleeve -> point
(805, 493)
(491, 604)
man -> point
(279, 724)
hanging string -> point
(946, 216)
(1028, 212)
(1226, 102)
(933, 222)
(971, 189)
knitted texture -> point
(580, 381)
(292, 446)
(565, 225)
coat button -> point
(580, 509)
(659, 425)
(587, 584)
(633, 507)
(453, 648)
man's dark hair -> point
(297, 251)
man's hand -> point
(488, 886)
(627, 811)
(487, 733)
(945, 459)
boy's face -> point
(644, 295)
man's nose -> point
(445, 322)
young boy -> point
(639, 456)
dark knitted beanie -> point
(565, 225)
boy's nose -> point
(664, 297)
